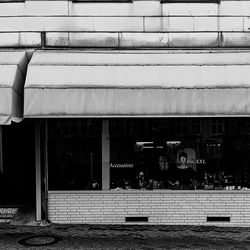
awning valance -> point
(137, 83)
(12, 75)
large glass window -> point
(180, 153)
(74, 154)
(149, 153)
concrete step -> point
(25, 216)
(7, 214)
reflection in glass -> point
(150, 153)
(74, 154)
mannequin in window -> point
(183, 176)
(163, 164)
(163, 173)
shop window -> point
(74, 154)
(150, 153)
(181, 154)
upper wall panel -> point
(231, 8)
(137, 16)
(135, 8)
(71, 24)
(190, 9)
(34, 8)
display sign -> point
(121, 165)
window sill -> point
(12, 1)
(158, 191)
(190, 1)
(102, 1)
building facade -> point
(132, 112)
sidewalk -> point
(123, 237)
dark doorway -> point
(17, 180)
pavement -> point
(61, 236)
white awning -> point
(12, 75)
(137, 83)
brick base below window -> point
(161, 207)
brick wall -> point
(161, 207)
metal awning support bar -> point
(105, 156)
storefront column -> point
(45, 202)
(105, 155)
(38, 171)
(1, 150)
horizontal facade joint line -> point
(140, 65)
(136, 87)
(122, 16)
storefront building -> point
(138, 112)
(142, 136)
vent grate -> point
(218, 219)
(136, 219)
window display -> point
(180, 153)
